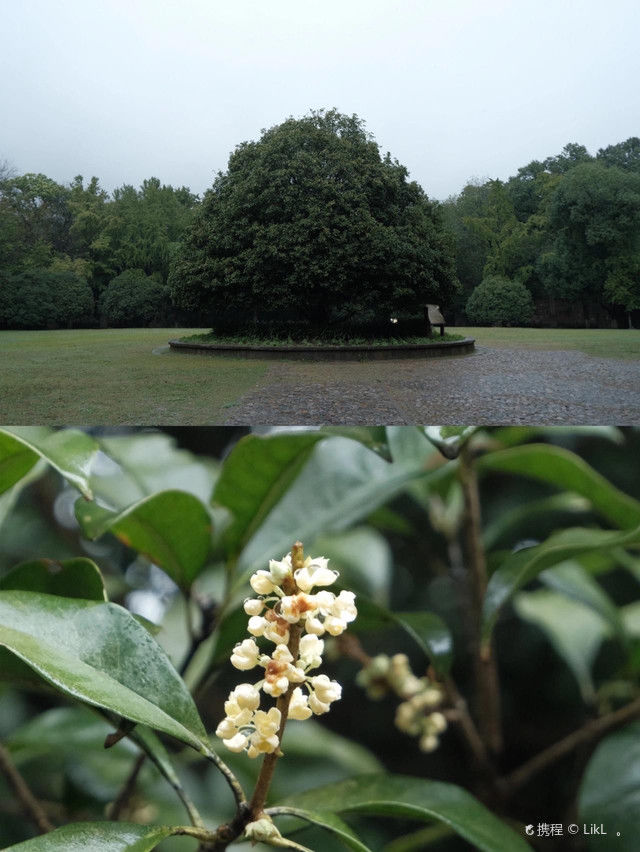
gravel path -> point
(489, 386)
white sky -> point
(127, 89)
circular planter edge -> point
(329, 353)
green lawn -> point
(113, 376)
(601, 342)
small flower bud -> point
(253, 606)
(236, 743)
(261, 583)
(245, 655)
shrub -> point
(500, 301)
(134, 299)
(43, 298)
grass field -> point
(113, 376)
(600, 342)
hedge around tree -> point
(500, 301)
(42, 298)
(134, 299)
(311, 224)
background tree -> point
(44, 298)
(311, 221)
(135, 299)
(500, 301)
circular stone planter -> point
(329, 353)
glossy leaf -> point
(506, 526)
(427, 629)
(97, 837)
(69, 451)
(573, 629)
(449, 439)
(130, 467)
(341, 483)
(509, 436)
(9, 498)
(329, 821)
(310, 739)
(521, 567)
(571, 579)
(98, 653)
(363, 558)
(255, 476)
(610, 792)
(409, 444)
(407, 797)
(172, 528)
(72, 578)
(565, 470)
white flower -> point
(245, 655)
(253, 606)
(246, 696)
(311, 649)
(429, 742)
(279, 570)
(314, 572)
(299, 707)
(282, 654)
(326, 690)
(317, 706)
(238, 715)
(256, 625)
(314, 625)
(268, 723)
(226, 729)
(236, 743)
(262, 583)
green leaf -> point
(449, 439)
(9, 498)
(610, 792)
(408, 444)
(98, 653)
(255, 476)
(509, 436)
(571, 579)
(69, 451)
(172, 528)
(566, 470)
(329, 821)
(135, 466)
(406, 797)
(72, 578)
(341, 483)
(312, 740)
(363, 558)
(521, 567)
(508, 524)
(573, 629)
(97, 837)
(427, 630)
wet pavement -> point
(488, 386)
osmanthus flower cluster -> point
(417, 715)
(292, 611)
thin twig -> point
(486, 672)
(460, 714)
(30, 804)
(592, 730)
(121, 800)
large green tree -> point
(312, 223)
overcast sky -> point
(127, 89)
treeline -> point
(556, 244)
(74, 255)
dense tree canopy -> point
(311, 222)
(135, 299)
(567, 227)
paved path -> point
(489, 386)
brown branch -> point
(31, 806)
(127, 790)
(486, 672)
(460, 714)
(592, 730)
